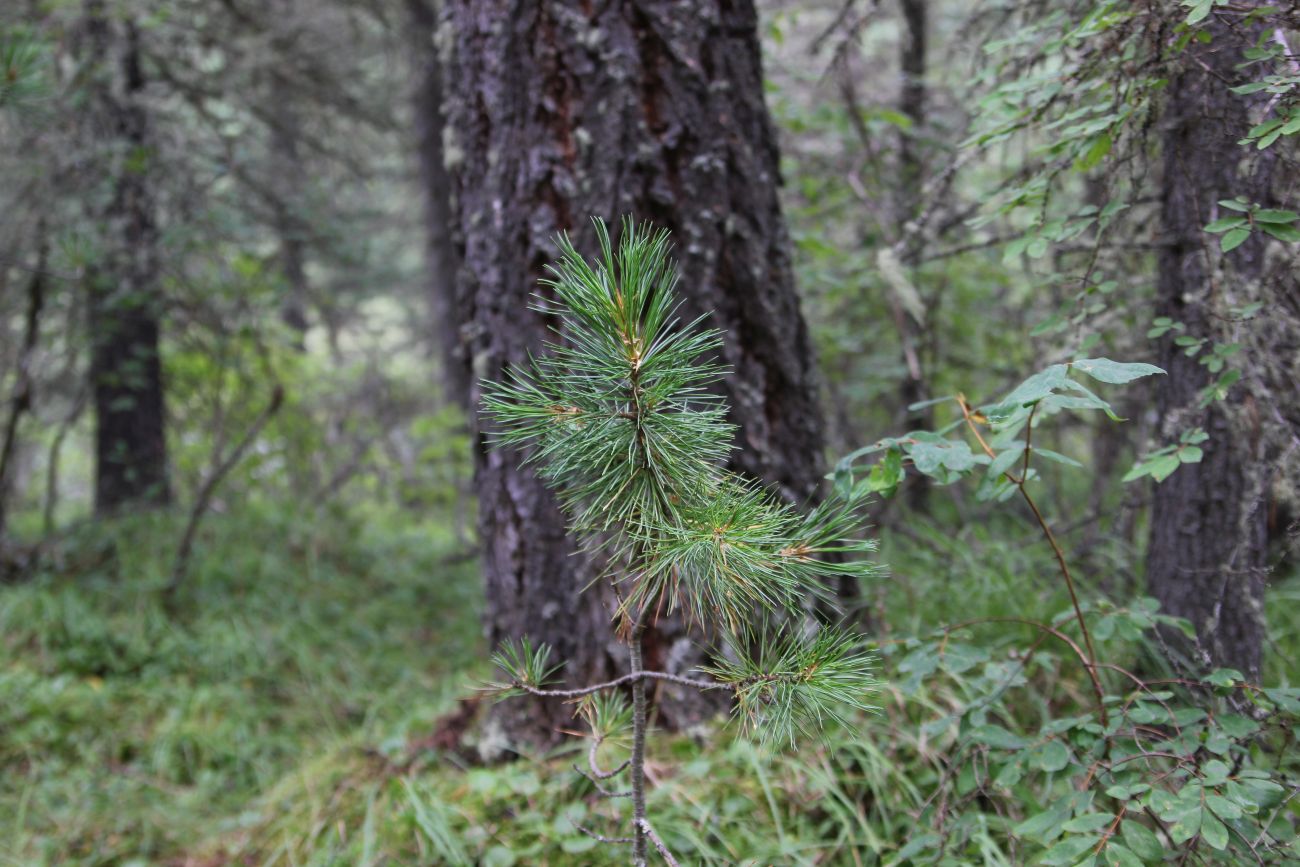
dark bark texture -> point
(126, 373)
(568, 110)
(1207, 555)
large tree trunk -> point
(1206, 559)
(126, 373)
(440, 257)
(654, 109)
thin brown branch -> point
(601, 790)
(1090, 660)
(625, 680)
(622, 841)
(658, 842)
(209, 488)
(596, 770)
(20, 403)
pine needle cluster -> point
(621, 416)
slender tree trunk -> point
(20, 400)
(913, 97)
(126, 373)
(440, 257)
(1206, 558)
(289, 223)
(650, 108)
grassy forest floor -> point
(284, 715)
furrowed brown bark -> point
(567, 110)
(1206, 559)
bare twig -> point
(601, 790)
(625, 680)
(601, 838)
(596, 770)
(1090, 659)
(655, 839)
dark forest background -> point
(258, 258)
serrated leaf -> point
(1234, 239)
(1114, 372)
(1142, 840)
(1187, 826)
(1057, 456)
(1236, 726)
(1214, 772)
(1004, 460)
(1045, 826)
(1222, 225)
(1273, 215)
(1163, 467)
(1200, 11)
(1285, 698)
(1213, 831)
(1095, 153)
(997, 736)
(1067, 851)
(1088, 822)
(1053, 756)
(1222, 807)
(1282, 231)
(578, 845)
(1118, 855)
(932, 458)
(1223, 677)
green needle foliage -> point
(619, 415)
(622, 424)
(792, 687)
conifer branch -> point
(619, 417)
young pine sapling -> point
(620, 418)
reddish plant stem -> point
(1090, 663)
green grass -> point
(278, 718)
(127, 734)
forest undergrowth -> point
(289, 713)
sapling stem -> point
(638, 740)
(623, 419)
(1090, 661)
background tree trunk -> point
(440, 257)
(1206, 558)
(126, 373)
(564, 111)
(913, 96)
(286, 161)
